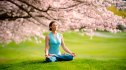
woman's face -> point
(54, 27)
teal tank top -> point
(54, 44)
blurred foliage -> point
(121, 27)
(116, 11)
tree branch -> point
(39, 9)
(6, 16)
(34, 6)
(29, 14)
(71, 6)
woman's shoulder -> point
(48, 35)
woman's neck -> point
(54, 32)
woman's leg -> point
(64, 57)
(51, 59)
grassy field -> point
(105, 51)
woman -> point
(53, 41)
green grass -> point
(99, 53)
(117, 12)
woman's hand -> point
(73, 54)
(47, 56)
(51, 54)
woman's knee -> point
(51, 59)
(66, 57)
(70, 57)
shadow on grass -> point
(22, 64)
(82, 63)
(34, 62)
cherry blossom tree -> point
(21, 19)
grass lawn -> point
(107, 52)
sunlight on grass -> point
(99, 53)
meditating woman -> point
(53, 41)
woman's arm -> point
(65, 48)
(46, 46)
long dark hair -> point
(50, 24)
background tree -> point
(21, 19)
